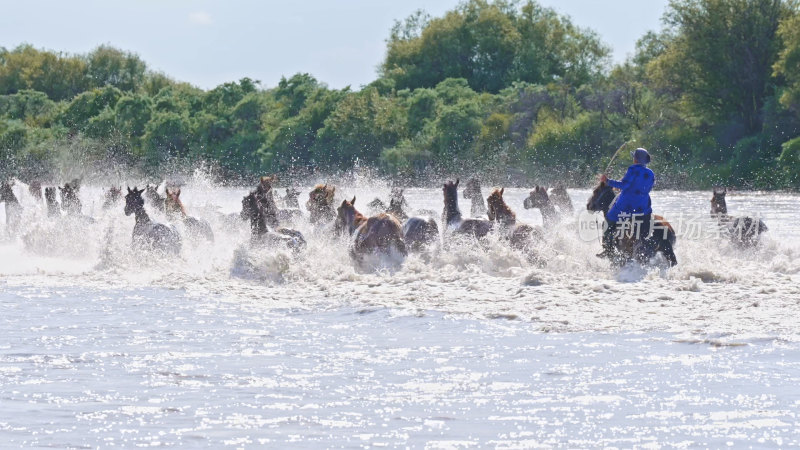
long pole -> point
(616, 154)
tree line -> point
(500, 87)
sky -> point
(340, 42)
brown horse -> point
(538, 198)
(111, 197)
(320, 204)
(149, 235)
(451, 216)
(473, 192)
(743, 231)
(13, 208)
(53, 208)
(519, 235)
(175, 211)
(379, 234)
(662, 240)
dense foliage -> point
(512, 90)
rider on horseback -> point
(632, 203)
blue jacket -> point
(634, 196)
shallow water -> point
(466, 347)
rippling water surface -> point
(465, 347)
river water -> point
(469, 347)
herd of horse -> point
(387, 229)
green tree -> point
(719, 60)
(108, 66)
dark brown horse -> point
(379, 234)
(743, 231)
(260, 234)
(13, 208)
(53, 208)
(320, 204)
(451, 216)
(662, 240)
(519, 235)
(265, 191)
(175, 211)
(112, 197)
(473, 192)
(149, 235)
(538, 198)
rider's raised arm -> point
(625, 182)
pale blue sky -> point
(210, 42)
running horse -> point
(560, 198)
(260, 234)
(147, 234)
(473, 192)
(13, 208)
(111, 197)
(70, 202)
(662, 239)
(539, 198)
(379, 234)
(320, 204)
(520, 235)
(265, 192)
(53, 208)
(175, 211)
(743, 231)
(451, 216)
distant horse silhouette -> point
(147, 234)
(70, 202)
(473, 192)
(112, 197)
(175, 211)
(13, 208)
(35, 189)
(662, 240)
(291, 198)
(155, 199)
(451, 216)
(519, 235)
(560, 198)
(538, 198)
(320, 204)
(265, 191)
(260, 234)
(53, 208)
(379, 234)
(743, 231)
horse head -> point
(537, 198)
(345, 217)
(601, 199)
(133, 201)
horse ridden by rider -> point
(630, 218)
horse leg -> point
(669, 253)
